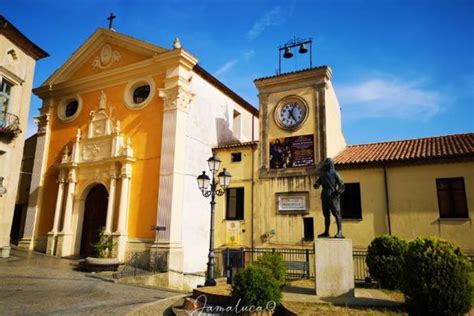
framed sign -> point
(232, 232)
(292, 152)
(292, 202)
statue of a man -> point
(102, 100)
(333, 187)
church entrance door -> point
(95, 213)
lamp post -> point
(215, 189)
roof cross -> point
(111, 19)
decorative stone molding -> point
(42, 122)
(106, 58)
(178, 97)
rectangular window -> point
(5, 95)
(235, 204)
(451, 198)
(350, 202)
(308, 226)
(236, 157)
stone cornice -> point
(152, 66)
(295, 80)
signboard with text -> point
(293, 202)
(292, 152)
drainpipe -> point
(387, 202)
(253, 183)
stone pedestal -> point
(334, 267)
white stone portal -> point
(334, 267)
(95, 158)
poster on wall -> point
(292, 152)
(232, 232)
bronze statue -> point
(333, 187)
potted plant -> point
(102, 259)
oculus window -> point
(141, 93)
(71, 108)
(452, 198)
(350, 202)
(235, 204)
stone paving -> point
(35, 284)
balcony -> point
(9, 127)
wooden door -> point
(95, 214)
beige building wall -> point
(19, 71)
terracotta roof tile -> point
(236, 145)
(431, 148)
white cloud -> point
(225, 67)
(388, 98)
(273, 17)
(249, 54)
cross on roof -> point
(111, 19)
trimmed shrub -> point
(435, 278)
(103, 247)
(256, 286)
(275, 263)
(385, 259)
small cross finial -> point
(111, 19)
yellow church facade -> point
(420, 187)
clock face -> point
(291, 113)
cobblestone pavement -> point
(35, 284)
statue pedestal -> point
(334, 267)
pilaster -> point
(37, 179)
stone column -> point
(120, 236)
(57, 214)
(37, 179)
(66, 242)
(110, 205)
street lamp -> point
(215, 189)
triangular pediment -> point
(103, 51)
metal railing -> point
(145, 262)
(300, 262)
(9, 122)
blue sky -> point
(401, 69)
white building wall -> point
(209, 123)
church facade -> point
(125, 128)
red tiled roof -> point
(236, 145)
(431, 148)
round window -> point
(71, 108)
(141, 93)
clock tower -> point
(300, 122)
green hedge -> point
(385, 259)
(435, 278)
(275, 263)
(256, 286)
